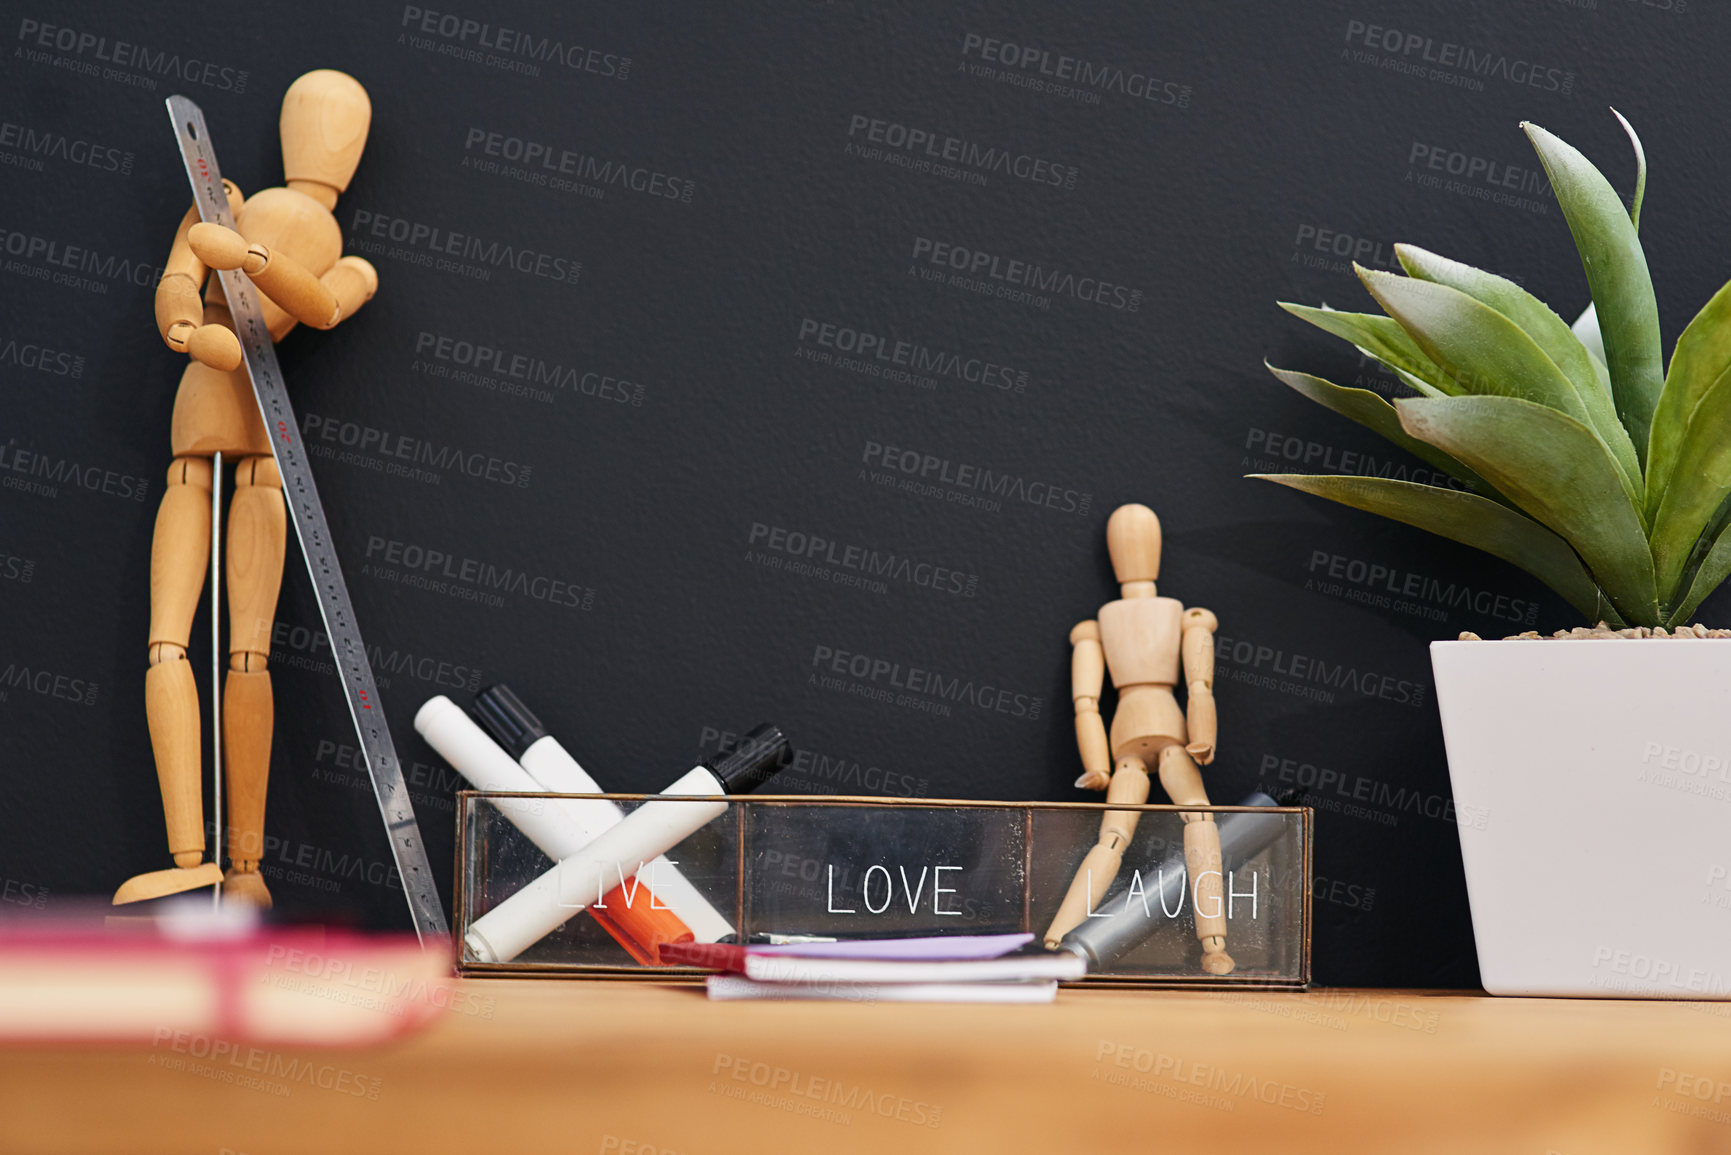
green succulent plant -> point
(1597, 470)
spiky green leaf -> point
(1483, 352)
(1379, 337)
(1702, 356)
(1555, 469)
(1640, 170)
(1715, 568)
(1422, 388)
(1617, 275)
(1700, 479)
(1548, 331)
(1376, 414)
(1469, 519)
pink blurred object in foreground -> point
(194, 978)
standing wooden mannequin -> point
(1140, 639)
(289, 244)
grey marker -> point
(1103, 941)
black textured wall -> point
(690, 316)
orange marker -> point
(642, 929)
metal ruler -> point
(314, 532)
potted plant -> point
(1592, 773)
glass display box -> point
(770, 869)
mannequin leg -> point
(1183, 783)
(1129, 785)
(179, 555)
(257, 535)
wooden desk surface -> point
(640, 1069)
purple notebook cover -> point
(945, 948)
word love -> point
(912, 890)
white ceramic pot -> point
(1592, 783)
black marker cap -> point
(508, 720)
(759, 756)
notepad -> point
(733, 986)
(1002, 968)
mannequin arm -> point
(352, 281)
(179, 309)
(1087, 677)
(321, 302)
(1198, 649)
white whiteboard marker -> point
(627, 850)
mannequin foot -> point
(1218, 962)
(157, 883)
(246, 886)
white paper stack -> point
(740, 987)
(955, 969)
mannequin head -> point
(1133, 540)
(325, 116)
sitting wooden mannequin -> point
(290, 246)
(1139, 638)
